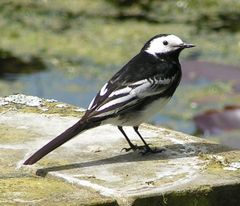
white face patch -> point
(157, 45)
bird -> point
(133, 95)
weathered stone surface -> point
(91, 169)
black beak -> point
(185, 45)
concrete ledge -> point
(92, 170)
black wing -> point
(140, 78)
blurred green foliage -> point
(105, 33)
(205, 14)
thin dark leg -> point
(147, 149)
(146, 145)
(132, 146)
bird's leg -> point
(145, 144)
(132, 146)
(146, 148)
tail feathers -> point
(71, 132)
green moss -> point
(23, 187)
(10, 135)
(203, 196)
(8, 159)
(46, 191)
(45, 108)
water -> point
(79, 90)
(54, 84)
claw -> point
(149, 150)
(144, 149)
(126, 149)
(133, 147)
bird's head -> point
(165, 43)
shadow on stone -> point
(172, 151)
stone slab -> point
(91, 169)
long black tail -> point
(71, 132)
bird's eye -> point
(165, 42)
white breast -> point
(135, 119)
(153, 109)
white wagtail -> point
(132, 95)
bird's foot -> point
(133, 147)
(143, 149)
(147, 150)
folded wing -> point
(111, 99)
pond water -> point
(79, 90)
